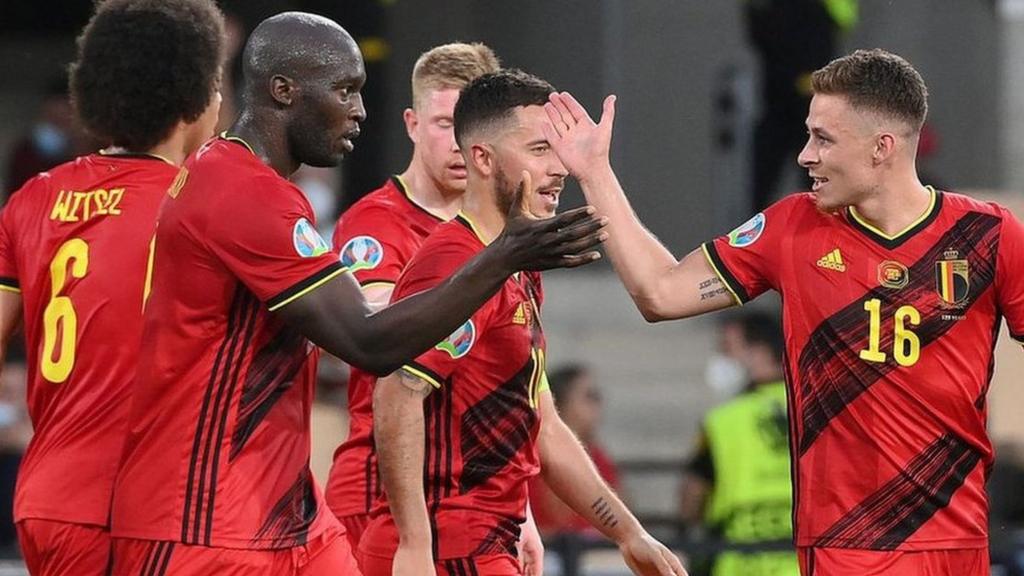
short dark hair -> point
(145, 65)
(879, 81)
(759, 328)
(490, 98)
(561, 381)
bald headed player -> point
(215, 476)
(74, 252)
(378, 236)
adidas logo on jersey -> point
(833, 261)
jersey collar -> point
(237, 140)
(118, 152)
(400, 184)
(461, 218)
(897, 240)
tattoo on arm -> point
(604, 512)
(414, 383)
(710, 288)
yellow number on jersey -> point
(906, 344)
(60, 313)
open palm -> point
(580, 144)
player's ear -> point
(482, 157)
(412, 121)
(885, 145)
(282, 89)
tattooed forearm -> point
(604, 512)
(710, 288)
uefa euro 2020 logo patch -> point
(460, 342)
(362, 253)
(748, 232)
(308, 242)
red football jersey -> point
(219, 439)
(889, 356)
(482, 421)
(75, 241)
(376, 238)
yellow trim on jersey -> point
(376, 284)
(911, 226)
(476, 230)
(10, 289)
(422, 376)
(408, 195)
(225, 136)
(545, 386)
(308, 289)
(721, 277)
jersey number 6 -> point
(59, 316)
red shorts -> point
(327, 554)
(491, 565)
(354, 525)
(53, 548)
(849, 562)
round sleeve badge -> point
(308, 242)
(460, 342)
(362, 253)
(748, 232)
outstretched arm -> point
(571, 475)
(662, 287)
(337, 317)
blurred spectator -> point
(792, 38)
(49, 141)
(738, 482)
(15, 432)
(578, 400)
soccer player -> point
(892, 297)
(462, 429)
(378, 235)
(74, 252)
(215, 477)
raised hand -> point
(565, 241)
(645, 556)
(580, 144)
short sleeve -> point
(271, 244)
(1009, 277)
(433, 265)
(747, 259)
(373, 246)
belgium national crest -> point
(952, 281)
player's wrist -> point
(596, 173)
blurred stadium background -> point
(687, 75)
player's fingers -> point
(568, 218)
(575, 109)
(585, 244)
(559, 101)
(557, 124)
(673, 560)
(608, 112)
(526, 195)
(579, 230)
(577, 260)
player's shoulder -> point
(962, 204)
(454, 240)
(67, 176)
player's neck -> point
(481, 209)
(266, 141)
(425, 192)
(896, 207)
(174, 149)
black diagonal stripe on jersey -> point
(190, 516)
(232, 376)
(832, 373)
(495, 429)
(149, 562)
(292, 516)
(166, 561)
(271, 373)
(501, 539)
(472, 567)
(885, 519)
